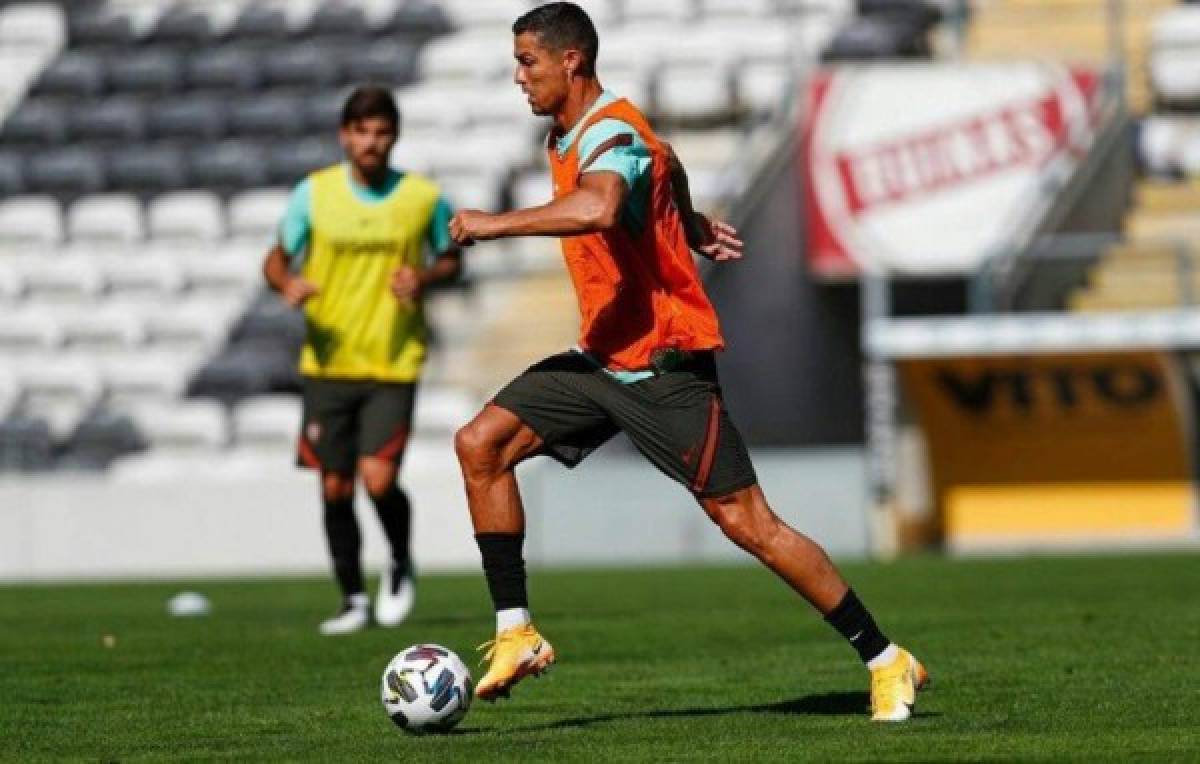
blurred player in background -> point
(351, 253)
(644, 364)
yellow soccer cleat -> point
(894, 688)
(515, 654)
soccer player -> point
(644, 364)
(357, 232)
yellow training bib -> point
(356, 328)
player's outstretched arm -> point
(295, 290)
(714, 239)
(592, 207)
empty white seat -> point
(100, 328)
(30, 223)
(471, 190)
(268, 421)
(633, 50)
(1178, 27)
(220, 14)
(255, 215)
(482, 57)
(673, 11)
(427, 107)
(725, 9)
(31, 329)
(200, 324)
(185, 217)
(632, 85)
(59, 389)
(223, 272)
(484, 14)
(763, 86)
(709, 188)
(33, 25)
(1161, 141)
(485, 152)
(160, 467)
(140, 376)
(12, 286)
(63, 279)
(182, 426)
(109, 220)
(532, 188)
(705, 148)
(694, 93)
(150, 275)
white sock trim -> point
(511, 618)
(884, 658)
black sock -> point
(395, 514)
(345, 545)
(504, 567)
(853, 622)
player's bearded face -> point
(540, 73)
(368, 142)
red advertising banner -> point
(926, 169)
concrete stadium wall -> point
(614, 509)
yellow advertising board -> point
(1056, 449)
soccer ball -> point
(426, 688)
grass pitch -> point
(1032, 659)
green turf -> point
(1050, 659)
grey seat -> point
(99, 439)
(260, 23)
(97, 25)
(228, 165)
(389, 62)
(66, 171)
(37, 122)
(75, 73)
(339, 19)
(147, 168)
(184, 24)
(268, 115)
(26, 445)
(288, 163)
(234, 375)
(308, 65)
(223, 69)
(200, 117)
(323, 111)
(118, 120)
(419, 20)
(12, 174)
(151, 72)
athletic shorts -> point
(676, 419)
(348, 419)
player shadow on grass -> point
(824, 704)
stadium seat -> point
(660, 11)
(12, 175)
(106, 220)
(190, 118)
(224, 69)
(33, 25)
(66, 171)
(230, 164)
(694, 94)
(254, 215)
(62, 279)
(228, 273)
(30, 223)
(340, 19)
(62, 390)
(471, 57)
(193, 324)
(471, 189)
(154, 72)
(735, 9)
(762, 87)
(484, 14)
(531, 188)
(270, 322)
(12, 287)
(113, 25)
(197, 22)
(146, 375)
(94, 330)
(76, 74)
(37, 122)
(148, 276)
(444, 409)
(147, 169)
(430, 107)
(388, 62)
(28, 330)
(266, 115)
(418, 20)
(185, 218)
(273, 19)
(233, 376)
(187, 426)
(322, 111)
(120, 120)
(26, 445)
(303, 66)
(288, 163)
(100, 438)
(10, 394)
(268, 422)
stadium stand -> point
(149, 145)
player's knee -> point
(745, 524)
(477, 448)
(335, 487)
(378, 477)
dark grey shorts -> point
(348, 419)
(677, 419)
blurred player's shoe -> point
(354, 616)
(515, 654)
(894, 687)
(396, 596)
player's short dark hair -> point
(560, 26)
(369, 101)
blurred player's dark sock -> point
(504, 566)
(345, 545)
(853, 622)
(395, 514)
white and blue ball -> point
(426, 688)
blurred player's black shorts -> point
(677, 419)
(348, 419)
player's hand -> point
(469, 226)
(298, 291)
(407, 283)
(714, 239)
